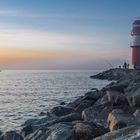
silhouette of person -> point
(128, 66)
(125, 65)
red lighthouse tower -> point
(135, 44)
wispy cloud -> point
(30, 14)
(33, 38)
(18, 13)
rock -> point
(87, 100)
(95, 89)
(84, 104)
(40, 134)
(75, 103)
(62, 103)
(11, 135)
(1, 133)
(93, 95)
(133, 94)
(120, 86)
(61, 131)
(127, 133)
(115, 121)
(61, 110)
(32, 125)
(113, 98)
(70, 117)
(118, 119)
(26, 130)
(67, 118)
(87, 131)
(137, 113)
(42, 114)
(35, 121)
(97, 114)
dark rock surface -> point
(133, 94)
(127, 133)
(11, 135)
(87, 131)
(97, 114)
(93, 95)
(119, 86)
(26, 130)
(59, 131)
(118, 119)
(70, 117)
(112, 98)
(84, 104)
(137, 114)
(61, 110)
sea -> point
(26, 93)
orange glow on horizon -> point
(24, 57)
(13, 55)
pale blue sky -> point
(95, 30)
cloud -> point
(30, 14)
(17, 13)
(37, 39)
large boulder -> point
(93, 95)
(84, 104)
(87, 131)
(11, 135)
(76, 102)
(61, 110)
(118, 119)
(40, 134)
(113, 98)
(137, 115)
(59, 131)
(97, 114)
(89, 98)
(33, 127)
(133, 94)
(33, 124)
(119, 86)
(127, 133)
(27, 130)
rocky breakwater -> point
(107, 114)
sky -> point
(66, 34)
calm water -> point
(24, 94)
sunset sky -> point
(65, 34)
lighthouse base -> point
(136, 57)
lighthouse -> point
(135, 44)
